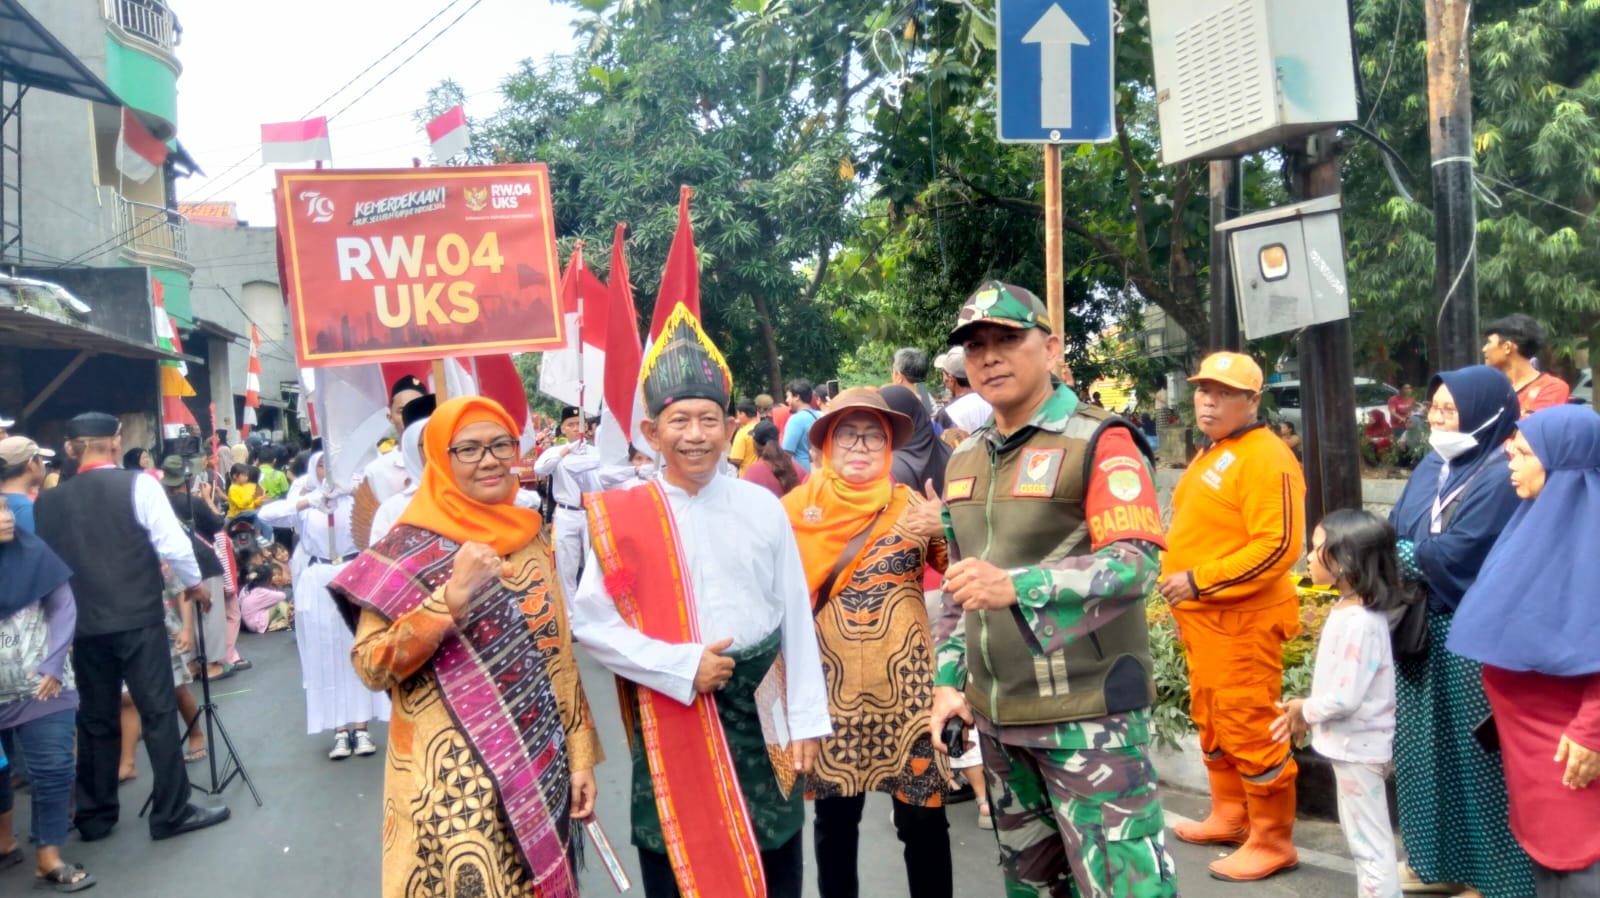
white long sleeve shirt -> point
(153, 510)
(571, 468)
(314, 528)
(748, 581)
(1351, 707)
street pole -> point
(1227, 201)
(1455, 278)
(1054, 287)
(1327, 373)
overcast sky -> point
(246, 64)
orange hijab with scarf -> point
(828, 511)
(442, 507)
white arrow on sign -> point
(1055, 33)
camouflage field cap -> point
(1004, 304)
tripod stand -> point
(214, 725)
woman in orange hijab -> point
(864, 567)
(492, 746)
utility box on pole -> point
(1288, 267)
(1236, 76)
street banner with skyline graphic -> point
(411, 264)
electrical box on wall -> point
(1288, 267)
(1236, 76)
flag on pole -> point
(623, 352)
(296, 142)
(252, 385)
(449, 134)
(680, 279)
(139, 153)
(174, 372)
(576, 369)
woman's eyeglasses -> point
(472, 453)
(873, 440)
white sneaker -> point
(364, 744)
(341, 746)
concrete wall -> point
(235, 284)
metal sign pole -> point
(1054, 286)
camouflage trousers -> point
(1078, 822)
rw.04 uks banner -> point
(407, 264)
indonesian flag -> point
(174, 372)
(139, 153)
(296, 142)
(623, 352)
(680, 279)
(575, 372)
(252, 385)
(448, 134)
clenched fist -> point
(477, 565)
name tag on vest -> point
(1036, 473)
(957, 490)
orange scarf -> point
(842, 509)
(441, 506)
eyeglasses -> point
(1443, 409)
(472, 453)
(873, 440)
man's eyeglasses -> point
(873, 440)
(472, 453)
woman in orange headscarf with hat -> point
(864, 567)
(491, 746)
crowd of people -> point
(875, 589)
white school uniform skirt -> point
(335, 696)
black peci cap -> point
(409, 382)
(93, 424)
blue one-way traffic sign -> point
(1055, 61)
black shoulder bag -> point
(851, 550)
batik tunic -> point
(446, 828)
(877, 655)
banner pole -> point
(583, 384)
(441, 390)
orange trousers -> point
(1235, 680)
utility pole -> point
(1455, 278)
(1227, 201)
(1327, 374)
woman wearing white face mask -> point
(1453, 812)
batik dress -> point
(489, 718)
(877, 657)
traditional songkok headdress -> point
(683, 364)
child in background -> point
(1350, 712)
(265, 608)
(245, 496)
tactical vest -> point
(1026, 507)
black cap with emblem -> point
(408, 382)
(568, 412)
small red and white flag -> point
(139, 153)
(252, 384)
(174, 373)
(296, 141)
(449, 134)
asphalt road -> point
(316, 832)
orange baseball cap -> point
(1233, 369)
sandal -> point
(242, 664)
(198, 754)
(12, 858)
(64, 878)
(1411, 883)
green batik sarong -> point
(775, 819)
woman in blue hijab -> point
(1533, 619)
(1452, 792)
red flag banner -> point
(419, 263)
(623, 353)
(680, 280)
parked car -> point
(1370, 395)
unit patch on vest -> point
(1122, 477)
(1036, 472)
(957, 490)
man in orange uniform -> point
(1238, 525)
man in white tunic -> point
(386, 475)
(694, 624)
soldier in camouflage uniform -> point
(1051, 510)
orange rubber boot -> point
(1229, 822)
(1270, 847)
